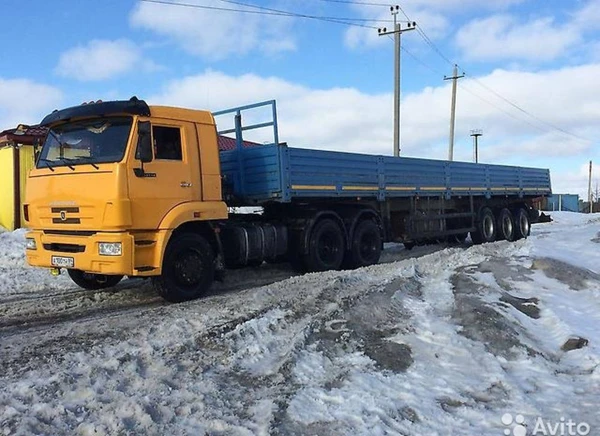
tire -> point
(93, 281)
(188, 268)
(506, 225)
(366, 245)
(486, 227)
(522, 223)
(326, 247)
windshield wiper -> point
(87, 159)
(47, 161)
(67, 160)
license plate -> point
(65, 262)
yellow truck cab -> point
(112, 182)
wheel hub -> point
(188, 268)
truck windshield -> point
(85, 142)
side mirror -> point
(144, 145)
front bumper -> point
(84, 251)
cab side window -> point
(167, 143)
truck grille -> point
(70, 232)
(66, 221)
(63, 217)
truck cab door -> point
(167, 179)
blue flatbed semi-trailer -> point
(335, 208)
(258, 174)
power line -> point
(336, 20)
(387, 5)
(473, 93)
(514, 117)
(356, 23)
(434, 47)
(566, 132)
(296, 14)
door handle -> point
(185, 185)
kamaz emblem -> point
(63, 215)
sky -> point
(531, 70)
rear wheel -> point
(485, 227)
(93, 281)
(366, 245)
(522, 223)
(506, 225)
(326, 247)
(188, 268)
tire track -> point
(35, 313)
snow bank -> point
(447, 343)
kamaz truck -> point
(122, 188)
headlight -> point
(110, 248)
(30, 244)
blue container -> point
(566, 202)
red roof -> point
(226, 143)
(26, 136)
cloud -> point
(506, 37)
(434, 17)
(215, 34)
(588, 17)
(327, 119)
(24, 101)
(346, 119)
(102, 60)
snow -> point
(436, 341)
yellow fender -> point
(185, 213)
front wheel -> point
(93, 281)
(188, 268)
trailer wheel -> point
(366, 245)
(486, 227)
(93, 281)
(188, 268)
(522, 223)
(506, 225)
(326, 247)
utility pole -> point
(397, 32)
(590, 199)
(476, 134)
(454, 77)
